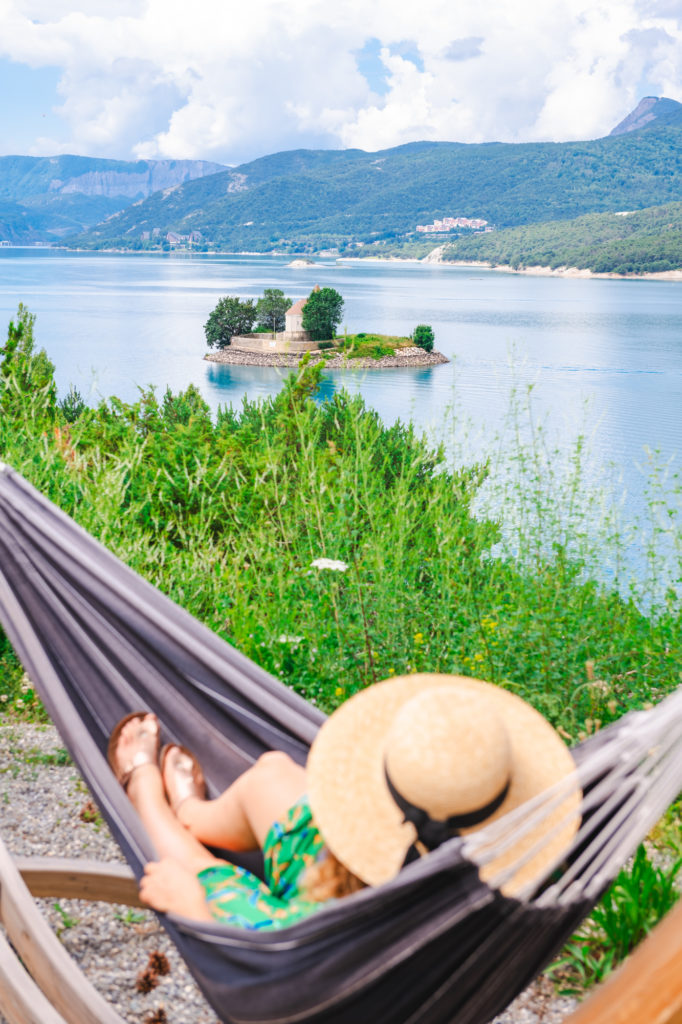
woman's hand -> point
(169, 887)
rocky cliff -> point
(138, 182)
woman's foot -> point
(182, 776)
(133, 743)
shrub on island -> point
(423, 337)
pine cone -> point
(146, 981)
(157, 1017)
(158, 962)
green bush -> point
(322, 313)
(636, 901)
(226, 515)
(231, 316)
(326, 344)
(423, 337)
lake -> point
(603, 356)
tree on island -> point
(322, 314)
(231, 316)
(423, 337)
(271, 309)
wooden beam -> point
(45, 958)
(67, 878)
(21, 1001)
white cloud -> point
(229, 82)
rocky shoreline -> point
(403, 357)
(47, 811)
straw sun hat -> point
(453, 747)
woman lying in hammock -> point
(397, 770)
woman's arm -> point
(169, 887)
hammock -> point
(434, 945)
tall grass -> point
(229, 516)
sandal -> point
(188, 778)
(149, 736)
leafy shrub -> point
(322, 313)
(636, 901)
(271, 310)
(326, 344)
(231, 316)
(72, 405)
(225, 514)
(423, 337)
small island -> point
(286, 332)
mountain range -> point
(47, 198)
(312, 200)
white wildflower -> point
(329, 563)
(284, 639)
(18, 703)
(4, 698)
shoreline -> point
(404, 357)
(504, 268)
(569, 272)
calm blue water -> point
(601, 355)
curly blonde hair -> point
(329, 879)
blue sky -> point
(28, 105)
(224, 81)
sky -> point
(231, 81)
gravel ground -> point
(42, 797)
(403, 357)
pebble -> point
(41, 803)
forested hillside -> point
(335, 199)
(645, 241)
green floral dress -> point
(236, 897)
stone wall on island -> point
(284, 341)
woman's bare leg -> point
(146, 792)
(240, 818)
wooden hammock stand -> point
(41, 984)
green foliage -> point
(27, 385)
(231, 316)
(372, 346)
(271, 309)
(67, 921)
(326, 344)
(636, 901)
(227, 515)
(322, 313)
(640, 242)
(305, 201)
(72, 405)
(423, 337)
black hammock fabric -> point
(434, 946)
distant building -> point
(292, 339)
(175, 239)
(293, 318)
(5, 244)
(451, 224)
